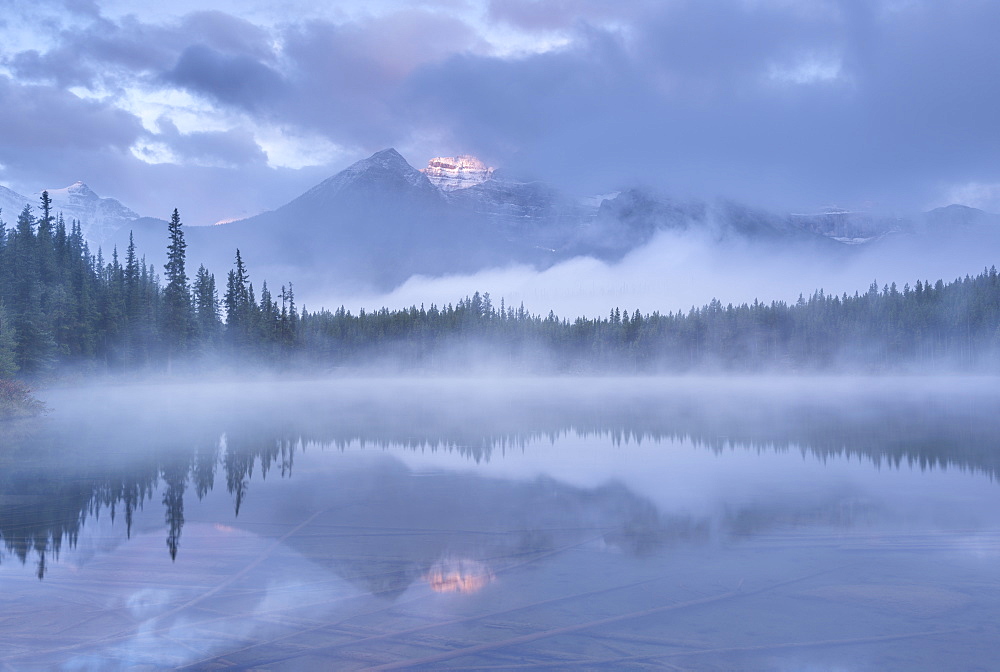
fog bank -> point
(678, 270)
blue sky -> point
(223, 107)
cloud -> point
(545, 15)
(227, 33)
(348, 76)
(985, 196)
(782, 103)
(231, 79)
(679, 270)
(101, 53)
(235, 147)
(37, 122)
(337, 79)
(687, 98)
(111, 54)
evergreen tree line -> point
(947, 325)
(64, 308)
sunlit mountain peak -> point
(449, 173)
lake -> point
(627, 523)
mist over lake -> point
(710, 523)
(499, 335)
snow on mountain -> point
(450, 173)
(847, 226)
(386, 172)
(11, 205)
(99, 217)
(380, 220)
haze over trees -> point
(65, 310)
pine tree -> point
(289, 316)
(176, 295)
(45, 237)
(8, 361)
(208, 322)
(238, 303)
(34, 344)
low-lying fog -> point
(678, 270)
(725, 523)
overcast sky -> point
(222, 112)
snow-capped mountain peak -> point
(99, 217)
(386, 159)
(449, 173)
(385, 169)
(78, 190)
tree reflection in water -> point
(58, 472)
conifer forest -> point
(68, 310)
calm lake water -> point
(691, 524)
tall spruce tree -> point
(239, 308)
(46, 239)
(208, 322)
(177, 320)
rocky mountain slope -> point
(381, 221)
(100, 218)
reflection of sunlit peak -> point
(457, 575)
(224, 528)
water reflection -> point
(56, 474)
(458, 575)
(828, 525)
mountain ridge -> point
(381, 221)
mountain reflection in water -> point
(458, 575)
(356, 524)
(56, 474)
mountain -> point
(449, 173)
(850, 227)
(99, 217)
(376, 223)
(383, 173)
(957, 217)
(381, 221)
(11, 204)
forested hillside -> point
(65, 309)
